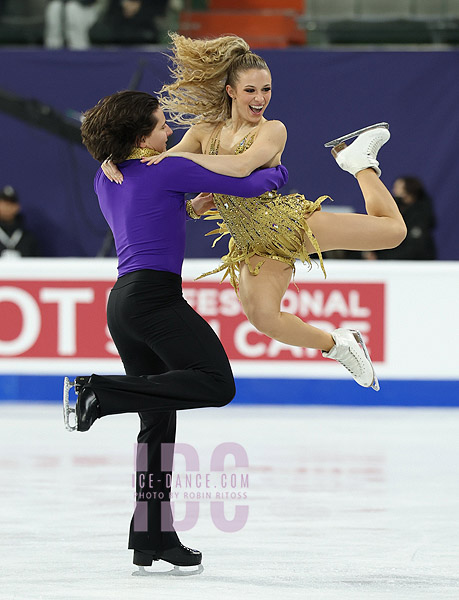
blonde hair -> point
(201, 69)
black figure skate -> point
(180, 556)
(175, 572)
(86, 410)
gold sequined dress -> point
(271, 225)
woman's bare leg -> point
(261, 297)
(382, 227)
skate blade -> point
(68, 410)
(343, 138)
(175, 572)
(358, 337)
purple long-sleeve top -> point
(146, 213)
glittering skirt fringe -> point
(282, 240)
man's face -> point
(157, 139)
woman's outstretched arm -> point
(265, 151)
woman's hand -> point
(202, 203)
(154, 160)
(111, 171)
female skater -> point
(222, 90)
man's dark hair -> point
(117, 123)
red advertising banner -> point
(66, 319)
(325, 305)
(50, 319)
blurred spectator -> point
(129, 22)
(67, 22)
(15, 240)
(417, 210)
(21, 22)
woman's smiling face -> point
(251, 94)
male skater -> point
(172, 357)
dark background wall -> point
(319, 95)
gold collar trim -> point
(141, 153)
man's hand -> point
(202, 203)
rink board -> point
(53, 324)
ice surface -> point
(344, 503)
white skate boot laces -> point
(352, 362)
(376, 142)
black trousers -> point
(173, 360)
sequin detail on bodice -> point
(270, 225)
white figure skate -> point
(362, 153)
(349, 136)
(350, 350)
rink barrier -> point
(327, 392)
(52, 324)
